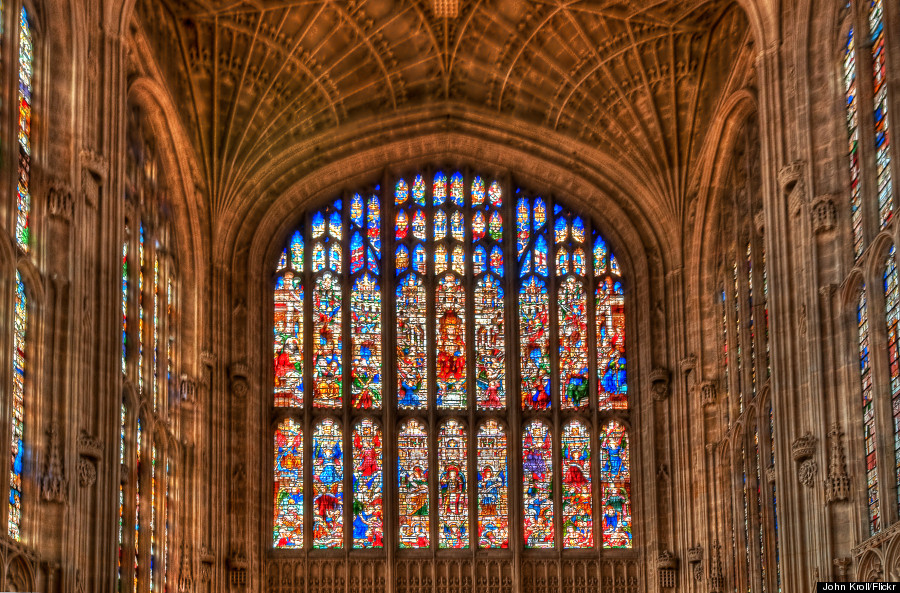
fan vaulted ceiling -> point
(637, 80)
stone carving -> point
(695, 558)
(659, 384)
(188, 389)
(208, 358)
(759, 221)
(186, 578)
(824, 215)
(803, 447)
(843, 567)
(688, 363)
(239, 387)
(96, 163)
(707, 393)
(667, 567)
(789, 175)
(447, 9)
(837, 484)
(716, 578)
(807, 472)
(60, 202)
(89, 446)
(770, 474)
(54, 485)
(87, 472)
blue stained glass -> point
(525, 267)
(614, 265)
(440, 189)
(523, 230)
(497, 261)
(356, 210)
(440, 225)
(578, 230)
(334, 258)
(318, 258)
(456, 189)
(419, 190)
(496, 195)
(562, 229)
(401, 192)
(373, 228)
(356, 253)
(456, 226)
(540, 214)
(557, 210)
(372, 261)
(540, 256)
(297, 251)
(600, 254)
(477, 192)
(419, 259)
(318, 225)
(479, 260)
(334, 225)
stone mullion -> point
(309, 280)
(346, 423)
(389, 377)
(513, 403)
(593, 411)
(553, 416)
(469, 283)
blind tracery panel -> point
(429, 345)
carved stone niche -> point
(695, 557)
(707, 393)
(667, 566)
(824, 214)
(237, 571)
(659, 384)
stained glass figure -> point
(456, 189)
(600, 255)
(496, 260)
(288, 532)
(479, 260)
(440, 259)
(493, 474)
(318, 257)
(578, 262)
(615, 481)
(540, 256)
(440, 225)
(125, 304)
(495, 194)
(477, 191)
(356, 210)
(17, 419)
(496, 226)
(328, 369)
(440, 189)
(419, 225)
(456, 225)
(534, 362)
(402, 225)
(453, 527)
(451, 343)
(882, 135)
(297, 251)
(612, 386)
(334, 222)
(523, 225)
(578, 230)
(412, 480)
(401, 193)
(478, 227)
(318, 225)
(419, 190)
(562, 262)
(356, 253)
(328, 485)
(561, 230)
(537, 485)
(368, 484)
(402, 259)
(419, 259)
(490, 349)
(573, 352)
(577, 503)
(457, 260)
(411, 344)
(365, 327)
(334, 258)
(23, 188)
(373, 224)
(136, 476)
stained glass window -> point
(412, 482)
(475, 312)
(368, 484)
(123, 413)
(868, 409)
(288, 485)
(138, 459)
(537, 485)
(328, 485)
(615, 484)
(892, 308)
(882, 141)
(849, 66)
(453, 486)
(577, 505)
(23, 188)
(125, 303)
(493, 472)
(17, 448)
(154, 492)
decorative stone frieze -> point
(837, 484)
(824, 214)
(659, 384)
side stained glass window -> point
(288, 485)
(453, 486)
(493, 472)
(365, 303)
(451, 343)
(537, 485)
(125, 303)
(882, 140)
(577, 505)
(17, 448)
(892, 308)
(411, 303)
(412, 481)
(868, 409)
(852, 113)
(328, 485)
(534, 303)
(23, 189)
(368, 484)
(615, 481)
(328, 362)
(289, 339)
(612, 386)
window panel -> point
(537, 485)
(615, 483)
(288, 532)
(577, 500)
(452, 486)
(328, 485)
(368, 483)
(17, 430)
(493, 509)
(412, 480)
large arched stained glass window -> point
(446, 325)
(23, 188)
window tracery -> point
(429, 342)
